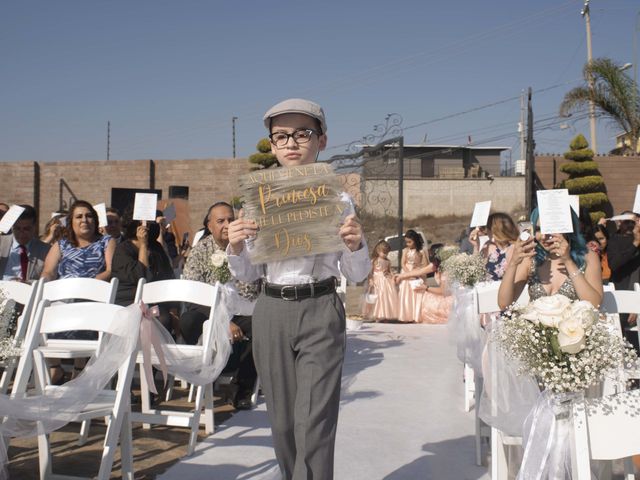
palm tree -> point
(614, 95)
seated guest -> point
(623, 254)
(601, 235)
(503, 233)
(436, 300)
(141, 256)
(22, 255)
(83, 251)
(114, 225)
(53, 230)
(239, 297)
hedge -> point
(580, 168)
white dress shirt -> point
(355, 266)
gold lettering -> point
(285, 241)
(264, 200)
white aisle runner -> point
(401, 416)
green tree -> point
(584, 178)
(614, 95)
(263, 158)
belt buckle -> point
(284, 296)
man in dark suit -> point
(623, 254)
(22, 254)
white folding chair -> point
(113, 404)
(605, 429)
(28, 296)
(192, 292)
(65, 289)
(615, 302)
(86, 289)
(487, 302)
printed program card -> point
(574, 201)
(555, 211)
(636, 203)
(480, 214)
(101, 210)
(144, 207)
(10, 218)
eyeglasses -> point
(303, 135)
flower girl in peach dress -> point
(383, 304)
(414, 260)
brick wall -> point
(58, 182)
(621, 176)
(18, 184)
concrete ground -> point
(401, 416)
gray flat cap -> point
(296, 105)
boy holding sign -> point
(299, 320)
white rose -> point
(584, 312)
(571, 336)
(218, 259)
(548, 311)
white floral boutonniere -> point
(220, 265)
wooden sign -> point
(298, 211)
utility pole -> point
(529, 159)
(108, 139)
(523, 148)
(635, 72)
(635, 51)
(233, 133)
(585, 12)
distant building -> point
(622, 141)
(424, 161)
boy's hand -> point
(350, 232)
(239, 230)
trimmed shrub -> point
(577, 169)
(588, 184)
(584, 178)
(264, 158)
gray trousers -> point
(298, 347)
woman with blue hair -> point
(552, 264)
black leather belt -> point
(302, 291)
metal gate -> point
(372, 172)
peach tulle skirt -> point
(386, 304)
(435, 308)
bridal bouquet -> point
(563, 343)
(466, 270)
(220, 265)
(8, 319)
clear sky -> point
(170, 74)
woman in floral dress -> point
(503, 232)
